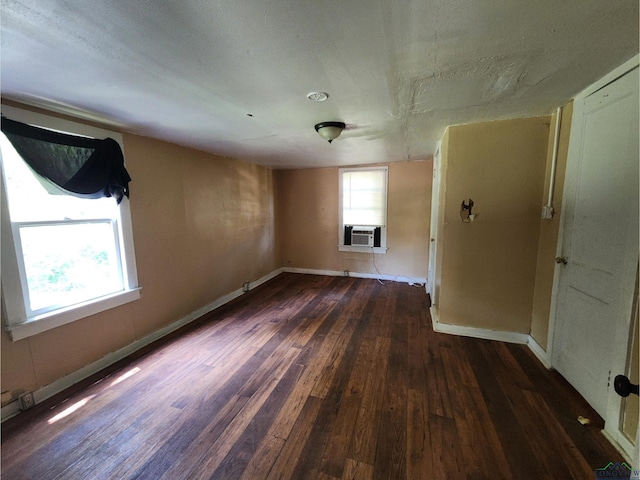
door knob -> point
(624, 387)
(562, 260)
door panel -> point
(600, 221)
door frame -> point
(612, 428)
(433, 267)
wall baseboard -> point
(483, 333)
(375, 276)
(10, 410)
(540, 353)
(613, 434)
(620, 443)
(67, 381)
(502, 336)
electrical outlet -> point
(26, 401)
(245, 287)
(345, 273)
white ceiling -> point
(397, 71)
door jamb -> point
(434, 232)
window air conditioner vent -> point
(361, 236)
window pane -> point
(69, 264)
(364, 198)
(30, 201)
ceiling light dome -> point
(330, 130)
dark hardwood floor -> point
(310, 377)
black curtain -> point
(83, 167)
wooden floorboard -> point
(311, 377)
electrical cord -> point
(375, 267)
(373, 262)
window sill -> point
(351, 248)
(42, 323)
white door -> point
(433, 230)
(600, 241)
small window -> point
(67, 257)
(363, 209)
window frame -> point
(18, 322)
(382, 249)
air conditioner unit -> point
(362, 236)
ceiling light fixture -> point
(318, 96)
(330, 130)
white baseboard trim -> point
(509, 337)
(375, 276)
(620, 442)
(540, 353)
(499, 335)
(67, 381)
(10, 410)
(615, 437)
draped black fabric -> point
(83, 167)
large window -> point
(63, 257)
(363, 209)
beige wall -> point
(489, 266)
(308, 221)
(549, 229)
(203, 225)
